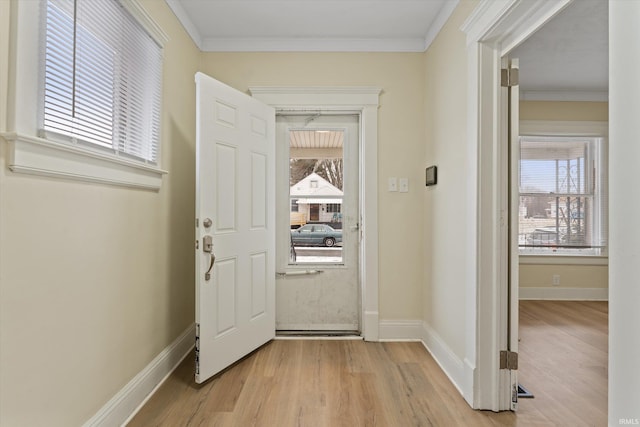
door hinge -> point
(197, 244)
(508, 360)
(197, 345)
(509, 77)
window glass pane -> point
(554, 167)
(561, 208)
(316, 195)
(548, 221)
(102, 77)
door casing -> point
(363, 101)
(493, 30)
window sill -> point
(43, 157)
(563, 260)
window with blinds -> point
(563, 183)
(102, 78)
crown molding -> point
(438, 23)
(320, 44)
(186, 22)
(265, 44)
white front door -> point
(318, 215)
(235, 225)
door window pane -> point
(316, 196)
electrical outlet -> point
(555, 280)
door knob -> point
(207, 222)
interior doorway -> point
(558, 181)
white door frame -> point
(494, 28)
(364, 100)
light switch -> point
(393, 184)
(404, 185)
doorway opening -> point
(363, 101)
(317, 226)
(557, 203)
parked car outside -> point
(544, 236)
(316, 235)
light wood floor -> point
(354, 383)
(563, 361)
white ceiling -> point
(313, 25)
(567, 59)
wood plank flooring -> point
(563, 362)
(355, 383)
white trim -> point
(284, 44)
(493, 29)
(372, 320)
(562, 128)
(146, 21)
(419, 331)
(565, 294)
(563, 260)
(263, 44)
(364, 100)
(568, 95)
(505, 24)
(183, 17)
(485, 16)
(401, 330)
(127, 402)
(445, 357)
(37, 156)
(443, 16)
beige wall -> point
(571, 276)
(561, 111)
(95, 280)
(540, 274)
(445, 204)
(400, 146)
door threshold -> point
(318, 335)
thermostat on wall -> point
(432, 175)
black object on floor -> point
(523, 393)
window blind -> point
(562, 193)
(103, 76)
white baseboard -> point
(558, 293)
(126, 403)
(417, 330)
(467, 385)
(400, 330)
(451, 365)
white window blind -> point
(563, 205)
(103, 76)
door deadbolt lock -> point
(207, 244)
(207, 222)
